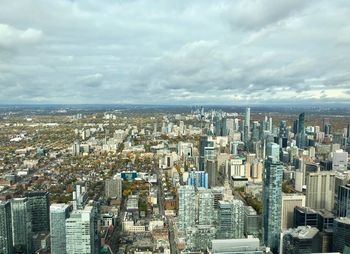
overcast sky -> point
(176, 51)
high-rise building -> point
(273, 150)
(21, 225)
(238, 246)
(272, 202)
(203, 143)
(289, 202)
(340, 160)
(198, 179)
(205, 207)
(343, 201)
(231, 219)
(301, 131)
(246, 126)
(58, 215)
(341, 235)
(320, 188)
(301, 240)
(252, 222)
(6, 244)
(113, 188)
(187, 213)
(40, 207)
(211, 169)
(80, 196)
(80, 231)
(305, 216)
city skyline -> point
(203, 52)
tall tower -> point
(246, 126)
(39, 207)
(231, 219)
(6, 244)
(80, 231)
(58, 215)
(186, 207)
(21, 225)
(301, 131)
(272, 202)
(205, 207)
(343, 201)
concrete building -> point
(320, 188)
(80, 232)
(340, 160)
(113, 188)
(289, 202)
(252, 222)
(6, 244)
(236, 246)
(58, 215)
(187, 214)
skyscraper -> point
(273, 151)
(301, 131)
(246, 126)
(301, 240)
(113, 188)
(21, 225)
(289, 202)
(231, 219)
(203, 143)
(272, 202)
(320, 188)
(187, 213)
(39, 207)
(343, 201)
(341, 236)
(80, 231)
(6, 244)
(58, 215)
(205, 207)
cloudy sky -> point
(175, 51)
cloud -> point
(201, 51)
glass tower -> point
(58, 215)
(272, 203)
(5, 228)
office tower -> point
(113, 188)
(289, 202)
(305, 216)
(228, 126)
(231, 219)
(40, 207)
(301, 131)
(255, 131)
(296, 126)
(198, 179)
(270, 126)
(203, 143)
(76, 148)
(272, 202)
(80, 231)
(325, 220)
(273, 150)
(246, 126)
(252, 222)
(239, 246)
(341, 235)
(233, 148)
(205, 207)
(327, 129)
(218, 125)
(320, 188)
(348, 131)
(340, 160)
(80, 196)
(301, 240)
(343, 201)
(186, 207)
(21, 225)
(218, 194)
(58, 215)
(283, 131)
(6, 244)
(212, 172)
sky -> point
(174, 52)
